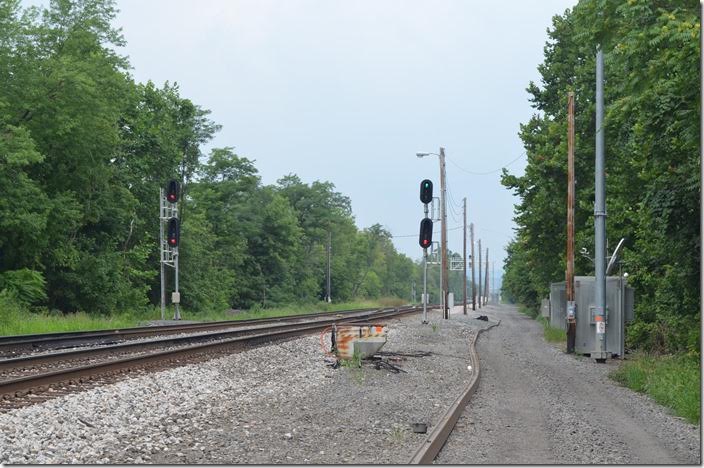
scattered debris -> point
(378, 364)
(404, 355)
(419, 428)
(85, 422)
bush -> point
(25, 285)
(10, 311)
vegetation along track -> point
(36, 377)
(24, 344)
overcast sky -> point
(349, 91)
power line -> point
(488, 172)
(434, 232)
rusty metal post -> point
(486, 277)
(479, 270)
(464, 257)
(569, 276)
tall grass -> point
(551, 334)
(17, 320)
(673, 381)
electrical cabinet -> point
(619, 311)
(558, 306)
(545, 308)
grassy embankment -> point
(16, 320)
(673, 381)
(550, 333)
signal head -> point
(426, 191)
(426, 233)
(172, 190)
(173, 232)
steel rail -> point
(44, 339)
(436, 439)
(18, 386)
(42, 359)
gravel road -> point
(537, 405)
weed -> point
(434, 326)
(355, 367)
(671, 380)
(355, 361)
(398, 434)
(551, 334)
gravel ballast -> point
(537, 405)
(279, 403)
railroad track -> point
(437, 437)
(28, 379)
(12, 346)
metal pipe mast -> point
(600, 216)
(569, 275)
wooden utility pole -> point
(486, 277)
(443, 241)
(471, 240)
(569, 276)
(328, 297)
(479, 269)
(464, 256)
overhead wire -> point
(487, 172)
(434, 232)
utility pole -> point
(443, 229)
(474, 292)
(486, 277)
(493, 281)
(701, 161)
(569, 277)
(479, 269)
(328, 296)
(600, 216)
(464, 256)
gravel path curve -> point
(537, 405)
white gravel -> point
(274, 404)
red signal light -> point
(172, 190)
(174, 232)
(426, 232)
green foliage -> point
(671, 380)
(652, 146)
(27, 286)
(84, 151)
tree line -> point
(652, 115)
(84, 150)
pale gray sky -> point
(349, 91)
